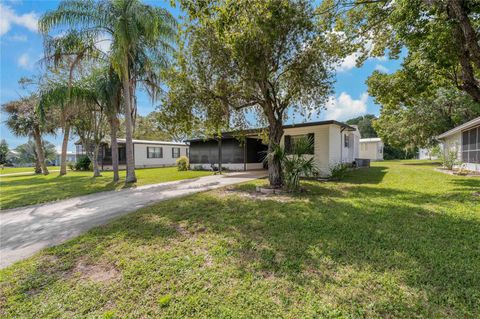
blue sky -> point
(21, 48)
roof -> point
(258, 130)
(460, 128)
(372, 139)
(122, 140)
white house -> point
(71, 158)
(146, 153)
(371, 148)
(465, 141)
(426, 154)
(333, 142)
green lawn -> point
(11, 170)
(398, 240)
(19, 191)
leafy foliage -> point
(182, 163)
(339, 171)
(281, 59)
(296, 162)
(3, 151)
(27, 152)
(364, 124)
(83, 163)
(449, 158)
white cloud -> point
(24, 61)
(381, 68)
(345, 107)
(348, 63)
(18, 38)
(9, 17)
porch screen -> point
(471, 145)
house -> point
(333, 142)
(464, 140)
(371, 148)
(71, 158)
(146, 153)
(426, 154)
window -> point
(290, 141)
(471, 145)
(175, 152)
(345, 140)
(154, 152)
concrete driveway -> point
(26, 230)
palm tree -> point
(24, 120)
(141, 38)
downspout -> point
(220, 155)
(341, 144)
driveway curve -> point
(26, 230)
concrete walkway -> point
(26, 230)
(27, 173)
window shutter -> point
(288, 144)
(311, 138)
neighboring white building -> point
(71, 158)
(333, 142)
(425, 154)
(146, 153)
(465, 141)
(371, 148)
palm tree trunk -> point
(38, 167)
(63, 156)
(39, 148)
(130, 178)
(114, 145)
(96, 169)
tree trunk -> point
(114, 147)
(468, 50)
(96, 169)
(39, 148)
(38, 167)
(130, 178)
(275, 130)
(63, 156)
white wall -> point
(321, 143)
(371, 150)
(141, 160)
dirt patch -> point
(96, 272)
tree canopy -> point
(262, 56)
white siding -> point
(141, 159)
(371, 150)
(321, 143)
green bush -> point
(449, 158)
(182, 163)
(71, 165)
(296, 163)
(338, 171)
(83, 163)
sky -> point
(21, 49)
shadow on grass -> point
(422, 163)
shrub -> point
(182, 163)
(294, 163)
(338, 171)
(83, 163)
(449, 158)
(71, 165)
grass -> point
(398, 240)
(19, 191)
(11, 170)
